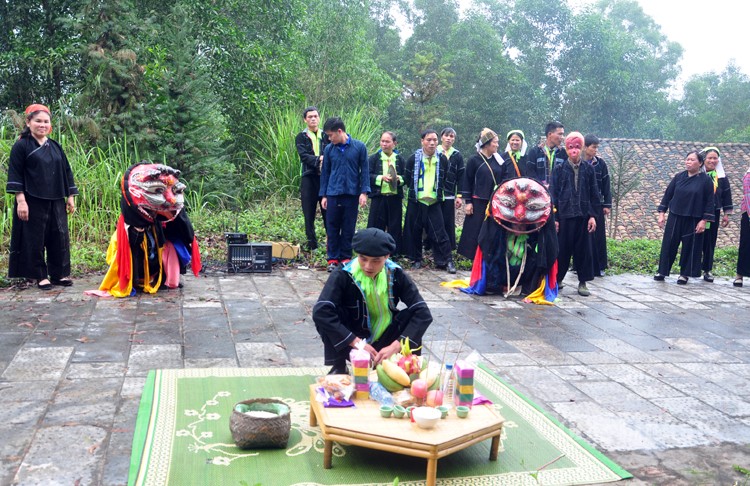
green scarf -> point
(715, 182)
(516, 248)
(375, 291)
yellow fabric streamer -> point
(461, 283)
(111, 281)
(537, 296)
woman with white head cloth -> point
(483, 174)
(722, 202)
(514, 158)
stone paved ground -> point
(655, 375)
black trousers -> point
(386, 213)
(449, 220)
(45, 231)
(681, 230)
(309, 189)
(421, 217)
(709, 243)
(574, 241)
(599, 244)
(743, 257)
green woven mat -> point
(182, 438)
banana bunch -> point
(391, 376)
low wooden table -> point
(363, 426)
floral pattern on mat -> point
(310, 437)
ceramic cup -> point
(408, 410)
(443, 411)
(399, 411)
(462, 411)
(386, 411)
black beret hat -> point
(373, 242)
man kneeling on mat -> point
(359, 300)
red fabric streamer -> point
(476, 268)
(195, 258)
(124, 270)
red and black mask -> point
(521, 205)
(151, 192)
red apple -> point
(419, 388)
(434, 398)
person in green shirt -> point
(424, 175)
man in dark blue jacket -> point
(542, 159)
(344, 182)
(576, 200)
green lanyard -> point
(550, 156)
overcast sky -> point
(710, 33)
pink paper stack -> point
(360, 369)
(464, 394)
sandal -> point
(737, 282)
(659, 277)
(63, 282)
(44, 286)
(682, 280)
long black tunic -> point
(41, 171)
(691, 196)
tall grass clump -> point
(272, 166)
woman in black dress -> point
(40, 177)
(690, 201)
(483, 174)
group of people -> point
(699, 200)
(339, 176)
(436, 180)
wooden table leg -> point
(494, 447)
(431, 471)
(313, 418)
(327, 453)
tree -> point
(488, 88)
(338, 68)
(615, 67)
(186, 120)
(625, 178)
(111, 85)
(38, 58)
(253, 55)
(424, 81)
(533, 39)
(715, 106)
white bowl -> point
(426, 417)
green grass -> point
(641, 256)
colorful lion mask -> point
(521, 205)
(153, 191)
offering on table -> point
(360, 369)
(335, 390)
(464, 393)
(406, 370)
